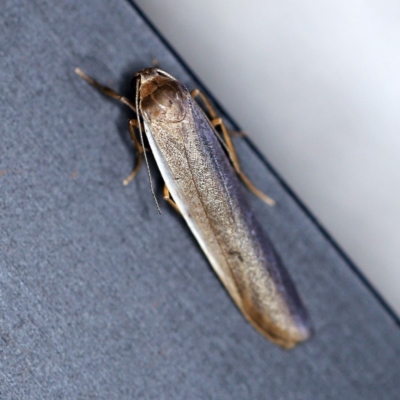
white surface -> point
(317, 87)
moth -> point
(202, 175)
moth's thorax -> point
(161, 98)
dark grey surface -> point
(103, 298)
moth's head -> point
(161, 97)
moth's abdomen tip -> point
(286, 332)
(305, 332)
(291, 341)
(300, 333)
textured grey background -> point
(103, 298)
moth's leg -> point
(218, 122)
(235, 162)
(105, 89)
(210, 109)
(237, 133)
(134, 123)
(168, 199)
(197, 93)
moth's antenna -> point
(142, 141)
